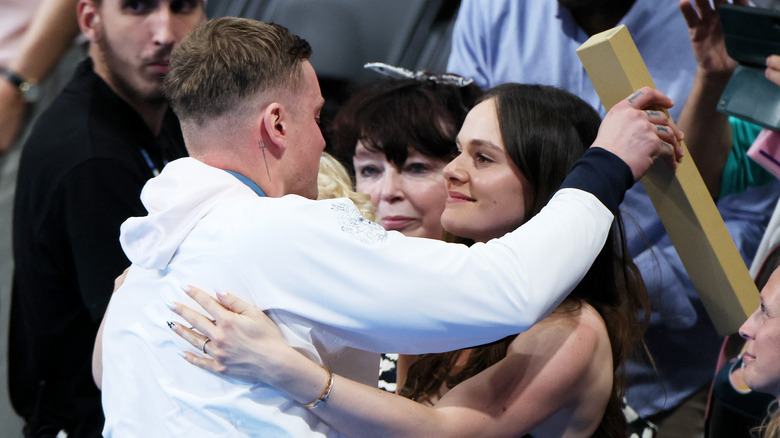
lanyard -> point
(150, 163)
(249, 183)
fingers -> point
(670, 154)
(200, 342)
(649, 100)
(666, 129)
(773, 69)
(666, 134)
(647, 97)
(668, 149)
(195, 339)
(689, 13)
(664, 125)
(201, 362)
(209, 304)
(702, 12)
(656, 117)
(671, 149)
(705, 9)
(234, 303)
(195, 319)
(773, 62)
(639, 131)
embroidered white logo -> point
(357, 226)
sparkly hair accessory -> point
(402, 73)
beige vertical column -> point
(681, 199)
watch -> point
(29, 88)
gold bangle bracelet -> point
(325, 392)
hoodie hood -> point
(177, 199)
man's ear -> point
(274, 126)
(89, 19)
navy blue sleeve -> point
(603, 174)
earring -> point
(262, 148)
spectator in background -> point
(80, 176)
(760, 364)
(535, 42)
(733, 409)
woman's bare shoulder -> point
(553, 379)
(573, 346)
(582, 328)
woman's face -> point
(409, 199)
(487, 194)
(762, 332)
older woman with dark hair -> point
(397, 135)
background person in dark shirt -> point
(80, 177)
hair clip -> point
(402, 73)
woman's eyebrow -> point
(485, 143)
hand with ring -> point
(243, 343)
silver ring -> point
(203, 346)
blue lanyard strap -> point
(150, 163)
(249, 183)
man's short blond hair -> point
(224, 61)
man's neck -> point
(229, 163)
(602, 16)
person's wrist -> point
(714, 78)
(298, 376)
(323, 396)
(26, 87)
(10, 93)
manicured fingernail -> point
(221, 293)
(172, 325)
(170, 305)
(183, 356)
(185, 288)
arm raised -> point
(709, 136)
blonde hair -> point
(770, 428)
(333, 182)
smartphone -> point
(751, 35)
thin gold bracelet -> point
(325, 392)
